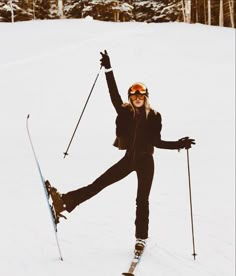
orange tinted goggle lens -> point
(138, 87)
(135, 96)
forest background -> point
(210, 12)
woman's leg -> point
(112, 175)
(145, 170)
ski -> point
(46, 189)
(136, 259)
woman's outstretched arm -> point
(111, 83)
(182, 143)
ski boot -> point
(58, 205)
(139, 247)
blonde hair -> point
(146, 105)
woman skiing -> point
(138, 131)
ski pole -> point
(81, 115)
(191, 206)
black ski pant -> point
(143, 164)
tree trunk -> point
(231, 11)
(60, 8)
(188, 10)
(183, 11)
(196, 7)
(209, 11)
(205, 12)
(221, 14)
(33, 4)
(12, 11)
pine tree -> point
(73, 8)
(157, 11)
(7, 9)
(108, 10)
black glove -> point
(185, 143)
(105, 60)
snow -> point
(47, 69)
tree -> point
(157, 11)
(108, 10)
(183, 10)
(196, 8)
(73, 8)
(7, 12)
(221, 14)
(12, 11)
(60, 8)
(209, 12)
(232, 13)
(188, 5)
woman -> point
(138, 130)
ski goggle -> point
(138, 87)
(136, 95)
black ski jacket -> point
(140, 131)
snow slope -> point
(47, 69)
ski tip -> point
(28, 116)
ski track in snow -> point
(47, 69)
